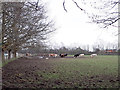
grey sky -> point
(73, 29)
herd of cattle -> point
(62, 55)
(75, 56)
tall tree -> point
(23, 25)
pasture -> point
(81, 72)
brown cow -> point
(53, 55)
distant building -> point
(111, 51)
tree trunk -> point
(14, 54)
(3, 57)
(9, 54)
(3, 33)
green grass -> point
(88, 66)
(6, 62)
(96, 65)
(75, 70)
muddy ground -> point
(21, 73)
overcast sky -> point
(73, 27)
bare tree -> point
(23, 25)
(108, 14)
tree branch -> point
(64, 6)
(77, 5)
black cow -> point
(76, 55)
(63, 55)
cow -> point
(81, 55)
(76, 55)
(93, 55)
(63, 55)
(28, 54)
(53, 55)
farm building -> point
(111, 51)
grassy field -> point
(85, 72)
(99, 71)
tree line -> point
(23, 26)
(61, 50)
(71, 51)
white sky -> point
(73, 29)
